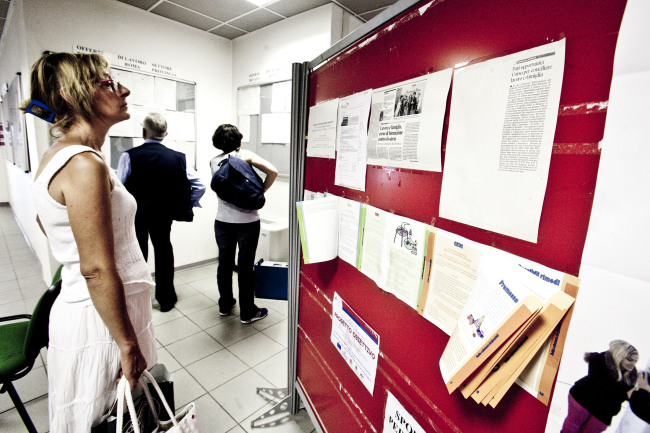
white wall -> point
(13, 59)
(119, 28)
(297, 39)
(218, 66)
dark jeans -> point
(159, 229)
(228, 236)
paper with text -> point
(500, 302)
(357, 343)
(321, 129)
(318, 223)
(501, 127)
(248, 101)
(392, 253)
(397, 419)
(349, 219)
(406, 119)
(455, 268)
(352, 140)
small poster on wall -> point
(397, 419)
(15, 125)
(357, 343)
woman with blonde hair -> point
(596, 398)
(100, 325)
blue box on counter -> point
(271, 280)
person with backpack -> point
(237, 222)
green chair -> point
(20, 344)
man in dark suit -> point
(165, 188)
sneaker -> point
(229, 310)
(261, 313)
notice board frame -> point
(412, 39)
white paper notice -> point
(392, 253)
(312, 195)
(165, 93)
(406, 122)
(281, 97)
(186, 129)
(143, 90)
(319, 229)
(456, 264)
(248, 101)
(397, 419)
(244, 126)
(349, 215)
(351, 139)
(357, 343)
(501, 128)
(276, 127)
(321, 129)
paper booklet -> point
(506, 316)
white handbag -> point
(185, 422)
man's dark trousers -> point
(158, 181)
(159, 229)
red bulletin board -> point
(415, 43)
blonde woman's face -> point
(110, 101)
(629, 363)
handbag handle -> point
(153, 382)
(124, 393)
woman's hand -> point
(133, 364)
(643, 381)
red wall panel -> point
(447, 33)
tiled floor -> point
(215, 361)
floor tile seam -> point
(195, 361)
(4, 291)
(265, 329)
(279, 342)
(221, 384)
(213, 325)
(263, 375)
(255, 365)
(218, 404)
(25, 402)
(205, 330)
(211, 302)
(246, 416)
(175, 341)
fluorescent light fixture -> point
(261, 2)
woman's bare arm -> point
(86, 187)
(262, 164)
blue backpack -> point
(236, 182)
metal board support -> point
(299, 108)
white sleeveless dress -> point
(83, 360)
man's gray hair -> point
(155, 125)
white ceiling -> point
(234, 18)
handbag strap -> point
(160, 394)
(124, 393)
(147, 394)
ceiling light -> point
(261, 3)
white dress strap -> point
(59, 160)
